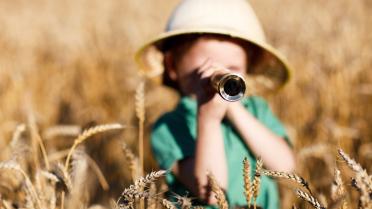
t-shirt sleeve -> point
(267, 117)
(170, 141)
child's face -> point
(221, 52)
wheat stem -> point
(35, 134)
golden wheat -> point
(88, 133)
(218, 193)
(80, 70)
(247, 181)
(29, 188)
(290, 176)
(257, 181)
(167, 204)
(132, 160)
(135, 191)
(309, 198)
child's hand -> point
(211, 105)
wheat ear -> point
(61, 130)
(257, 181)
(29, 187)
(130, 194)
(247, 181)
(88, 133)
(338, 191)
(365, 198)
(167, 204)
(310, 199)
(17, 135)
(183, 202)
(220, 196)
(350, 162)
(337, 188)
(362, 180)
(6, 204)
(64, 179)
(291, 176)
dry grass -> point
(66, 66)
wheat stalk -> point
(35, 135)
(220, 196)
(88, 133)
(132, 160)
(101, 178)
(310, 199)
(79, 172)
(140, 113)
(151, 202)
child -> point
(205, 133)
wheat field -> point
(74, 111)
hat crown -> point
(236, 16)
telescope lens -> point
(232, 87)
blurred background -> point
(71, 63)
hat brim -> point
(273, 68)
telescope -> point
(230, 86)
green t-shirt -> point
(173, 138)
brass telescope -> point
(230, 86)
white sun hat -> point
(231, 18)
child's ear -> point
(170, 66)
